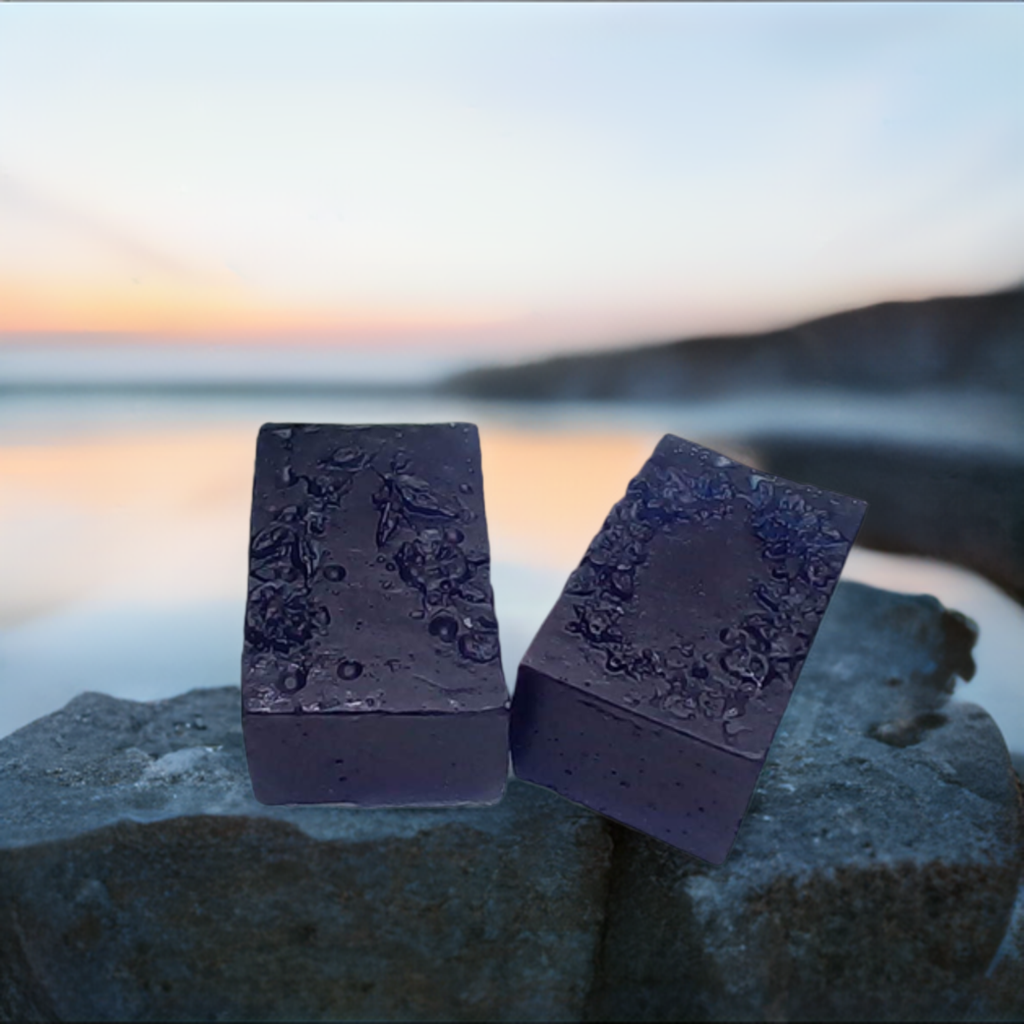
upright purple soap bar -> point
(653, 690)
(371, 671)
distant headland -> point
(972, 343)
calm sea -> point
(124, 520)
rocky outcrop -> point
(141, 881)
(874, 875)
(970, 343)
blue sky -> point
(508, 177)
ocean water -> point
(124, 523)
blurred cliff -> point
(917, 407)
(973, 343)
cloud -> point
(38, 211)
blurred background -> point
(794, 233)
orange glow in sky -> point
(218, 308)
(520, 178)
(100, 503)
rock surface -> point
(1002, 993)
(142, 881)
(873, 877)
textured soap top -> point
(697, 602)
(369, 581)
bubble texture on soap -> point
(369, 576)
(690, 616)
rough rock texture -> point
(959, 505)
(875, 871)
(140, 879)
(1002, 994)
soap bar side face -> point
(369, 573)
(626, 767)
(696, 604)
(378, 760)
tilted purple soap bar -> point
(653, 690)
(371, 672)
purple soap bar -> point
(371, 673)
(653, 690)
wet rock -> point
(874, 875)
(140, 879)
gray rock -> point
(1002, 994)
(875, 872)
(874, 875)
(140, 880)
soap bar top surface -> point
(369, 573)
(696, 604)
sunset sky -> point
(511, 179)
